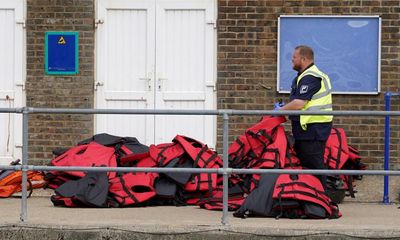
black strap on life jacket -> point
(199, 157)
(316, 195)
(258, 161)
(340, 147)
(200, 181)
(160, 157)
(236, 156)
(163, 157)
(126, 190)
(290, 145)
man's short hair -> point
(306, 51)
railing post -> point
(24, 200)
(225, 175)
(387, 150)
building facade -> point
(163, 54)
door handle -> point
(98, 84)
(148, 79)
(160, 82)
(19, 84)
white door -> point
(185, 62)
(125, 66)
(11, 78)
(157, 54)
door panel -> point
(11, 79)
(125, 66)
(185, 67)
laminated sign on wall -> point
(352, 61)
(61, 53)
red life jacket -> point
(186, 149)
(201, 182)
(354, 155)
(255, 139)
(202, 156)
(263, 145)
(130, 189)
(99, 150)
(292, 196)
(340, 155)
(89, 155)
(261, 134)
(306, 188)
(273, 152)
(163, 153)
(336, 150)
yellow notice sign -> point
(61, 40)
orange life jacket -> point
(13, 182)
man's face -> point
(297, 60)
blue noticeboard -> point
(347, 48)
(61, 53)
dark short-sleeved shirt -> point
(307, 87)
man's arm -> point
(295, 104)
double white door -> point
(11, 78)
(156, 54)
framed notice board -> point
(347, 48)
(61, 53)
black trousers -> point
(311, 155)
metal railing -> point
(225, 170)
(386, 159)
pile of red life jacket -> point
(264, 145)
(75, 188)
(290, 196)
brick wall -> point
(247, 38)
(48, 131)
(247, 49)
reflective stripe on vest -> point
(321, 101)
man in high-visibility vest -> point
(311, 90)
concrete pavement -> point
(360, 220)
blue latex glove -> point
(278, 105)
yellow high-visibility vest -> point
(321, 101)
